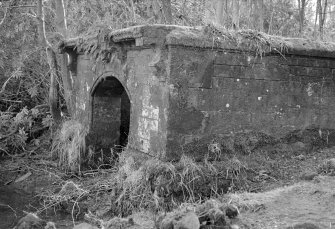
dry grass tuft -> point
(254, 201)
(69, 145)
(163, 186)
(69, 192)
(260, 42)
(155, 185)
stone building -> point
(158, 88)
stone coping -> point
(146, 35)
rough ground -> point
(280, 191)
(303, 202)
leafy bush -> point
(17, 130)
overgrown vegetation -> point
(69, 145)
(26, 123)
(25, 75)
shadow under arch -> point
(110, 114)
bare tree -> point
(302, 7)
(66, 78)
(219, 12)
(322, 14)
(52, 61)
(166, 17)
(236, 14)
(260, 11)
(160, 10)
(271, 17)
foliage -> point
(20, 129)
(23, 68)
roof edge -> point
(200, 37)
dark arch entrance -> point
(110, 115)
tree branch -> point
(4, 17)
(21, 6)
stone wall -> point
(138, 72)
(221, 92)
(187, 83)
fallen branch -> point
(4, 17)
(21, 6)
(12, 101)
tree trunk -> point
(54, 86)
(66, 77)
(316, 17)
(52, 61)
(322, 15)
(302, 8)
(271, 17)
(219, 12)
(160, 10)
(210, 11)
(236, 14)
(250, 13)
(257, 15)
(261, 16)
(166, 12)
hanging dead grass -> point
(69, 145)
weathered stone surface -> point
(84, 226)
(182, 87)
(308, 176)
(232, 211)
(188, 221)
(30, 221)
(211, 215)
(180, 220)
(327, 167)
(304, 226)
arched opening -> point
(110, 115)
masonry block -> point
(167, 86)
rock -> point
(117, 223)
(218, 217)
(300, 157)
(84, 226)
(50, 225)
(179, 220)
(30, 221)
(167, 223)
(327, 167)
(213, 217)
(234, 226)
(188, 221)
(232, 211)
(308, 176)
(298, 146)
(262, 172)
(209, 204)
(304, 226)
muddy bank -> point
(304, 202)
(15, 203)
(12, 204)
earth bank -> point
(274, 184)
